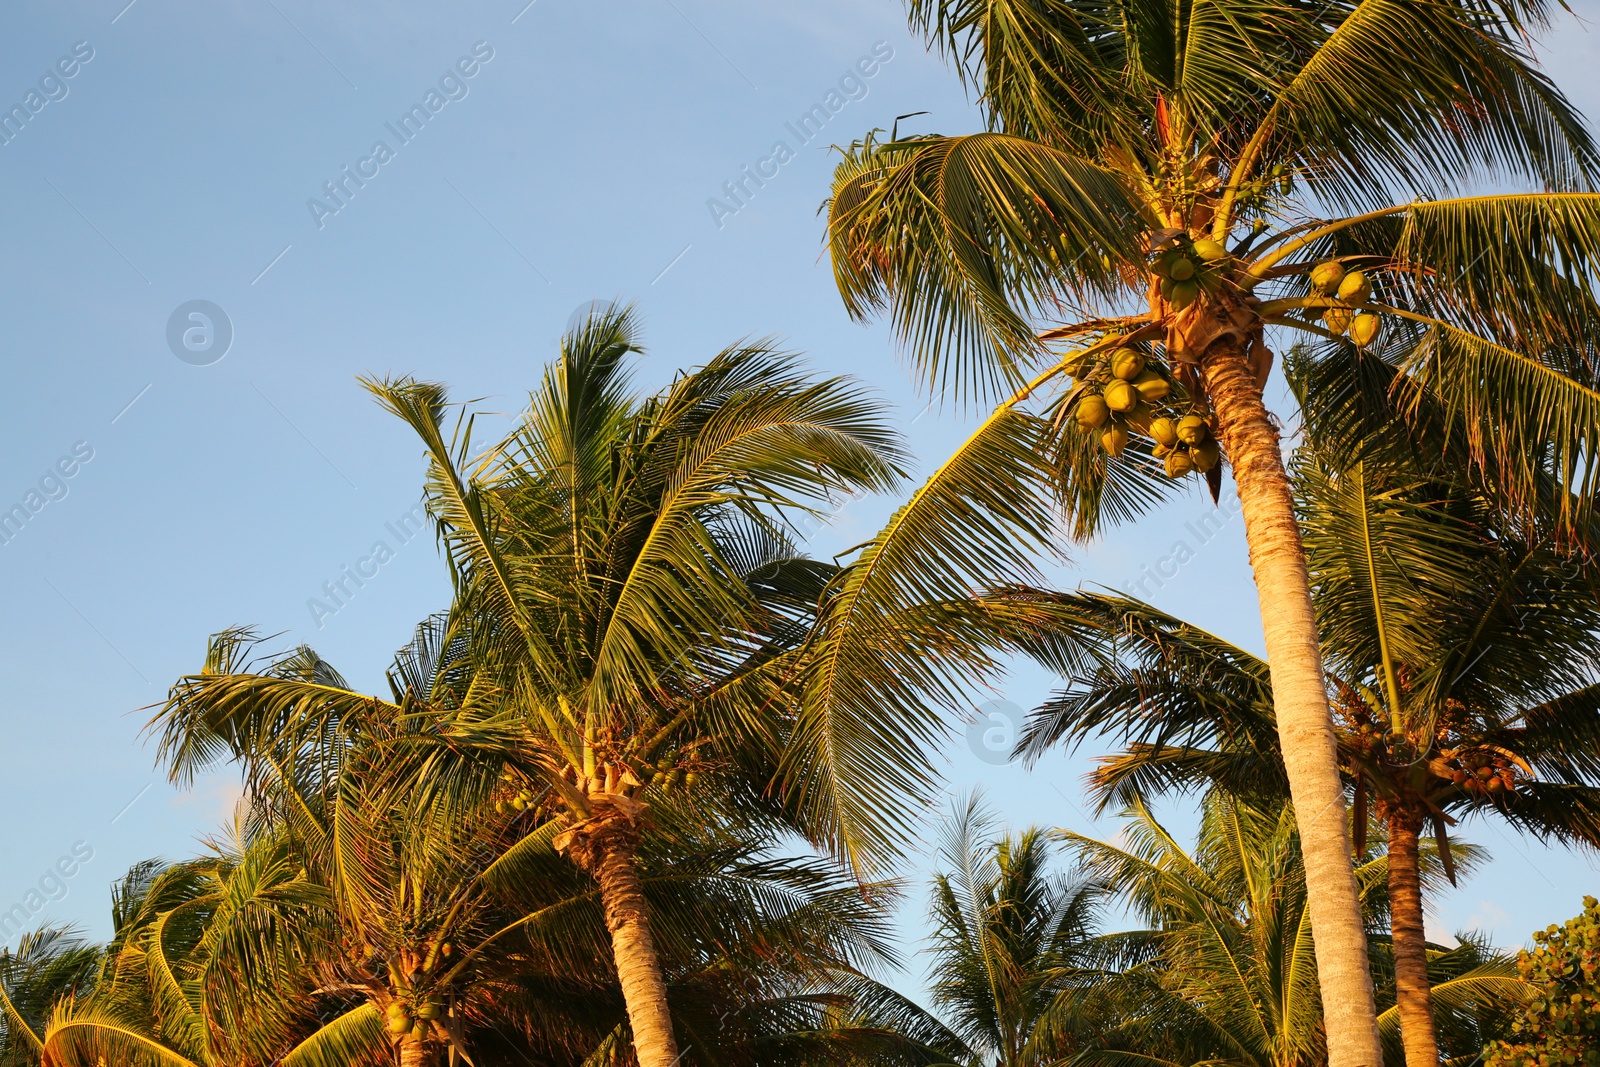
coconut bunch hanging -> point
(1125, 394)
(1185, 269)
(1347, 290)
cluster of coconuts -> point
(1124, 396)
(1482, 774)
(667, 775)
(517, 800)
(402, 1018)
(1348, 288)
(1184, 273)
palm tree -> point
(1009, 937)
(630, 618)
(1460, 656)
(1223, 970)
(47, 965)
(1163, 184)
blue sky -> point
(580, 159)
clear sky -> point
(571, 151)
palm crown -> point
(1166, 188)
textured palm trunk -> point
(608, 848)
(1300, 701)
(1412, 991)
(411, 1052)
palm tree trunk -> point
(607, 846)
(410, 1051)
(1412, 991)
(1300, 701)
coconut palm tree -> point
(630, 619)
(1009, 937)
(1460, 653)
(1223, 969)
(1167, 187)
(47, 965)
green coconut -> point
(1354, 288)
(1165, 431)
(1152, 386)
(430, 1010)
(1364, 329)
(1182, 269)
(1192, 429)
(1184, 294)
(1178, 463)
(1092, 412)
(1127, 363)
(1120, 395)
(1326, 277)
(1210, 251)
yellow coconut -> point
(1205, 455)
(1178, 463)
(1192, 429)
(1337, 320)
(1355, 288)
(1127, 363)
(1120, 395)
(1326, 277)
(1364, 329)
(1092, 412)
(1114, 440)
(1210, 251)
(1165, 431)
(1152, 386)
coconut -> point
(397, 1017)
(1165, 288)
(1120, 395)
(1114, 440)
(447, 950)
(1192, 429)
(1165, 431)
(1178, 463)
(1160, 451)
(1092, 412)
(1127, 363)
(430, 1010)
(1326, 277)
(1183, 294)
(1337, 320)
(1182, 269)
(1364, 329)
(1210, 251)
(1354, 288)
(691, 779)
(1205, 455)
(1152, 386)
(1139, 417)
